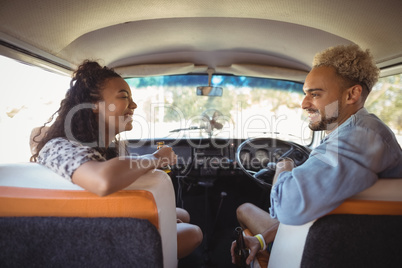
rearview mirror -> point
(209, 91)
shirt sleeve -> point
(344, 165)
(64, 157)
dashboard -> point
(209, 158)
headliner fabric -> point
(79, 242)
(354, 241)
(291, 31)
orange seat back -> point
(19, 202)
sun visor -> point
(263, 71)
(144, 70)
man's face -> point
(323, 100)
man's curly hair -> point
(351, 63)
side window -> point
(29, 96)
(385, 101)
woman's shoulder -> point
(61, 141)
(58, 140)
(62, 149)
(65, 146)
(64, 156)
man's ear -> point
(353, 94)
(95, 108)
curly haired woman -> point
(81, 144)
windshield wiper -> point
(276, 133)
(185, 129)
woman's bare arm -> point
(104, 178)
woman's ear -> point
(353, 94)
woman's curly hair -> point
(85, 90)
(351, 63)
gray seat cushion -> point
(354, 241)
(79, 242)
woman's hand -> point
(251, 243)
(165, 156)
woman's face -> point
(117, 107)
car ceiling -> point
(139, 38)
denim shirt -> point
(348, 160)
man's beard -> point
(325, 123)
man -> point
(357, 150)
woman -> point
(81, 144)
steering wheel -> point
(260, 169)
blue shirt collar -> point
(362, 111)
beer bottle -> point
(159, 145)
(241, 251)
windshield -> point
(251, 106)
(169, 107)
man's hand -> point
(285, 164)
(252, 243)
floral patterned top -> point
(64, 156)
